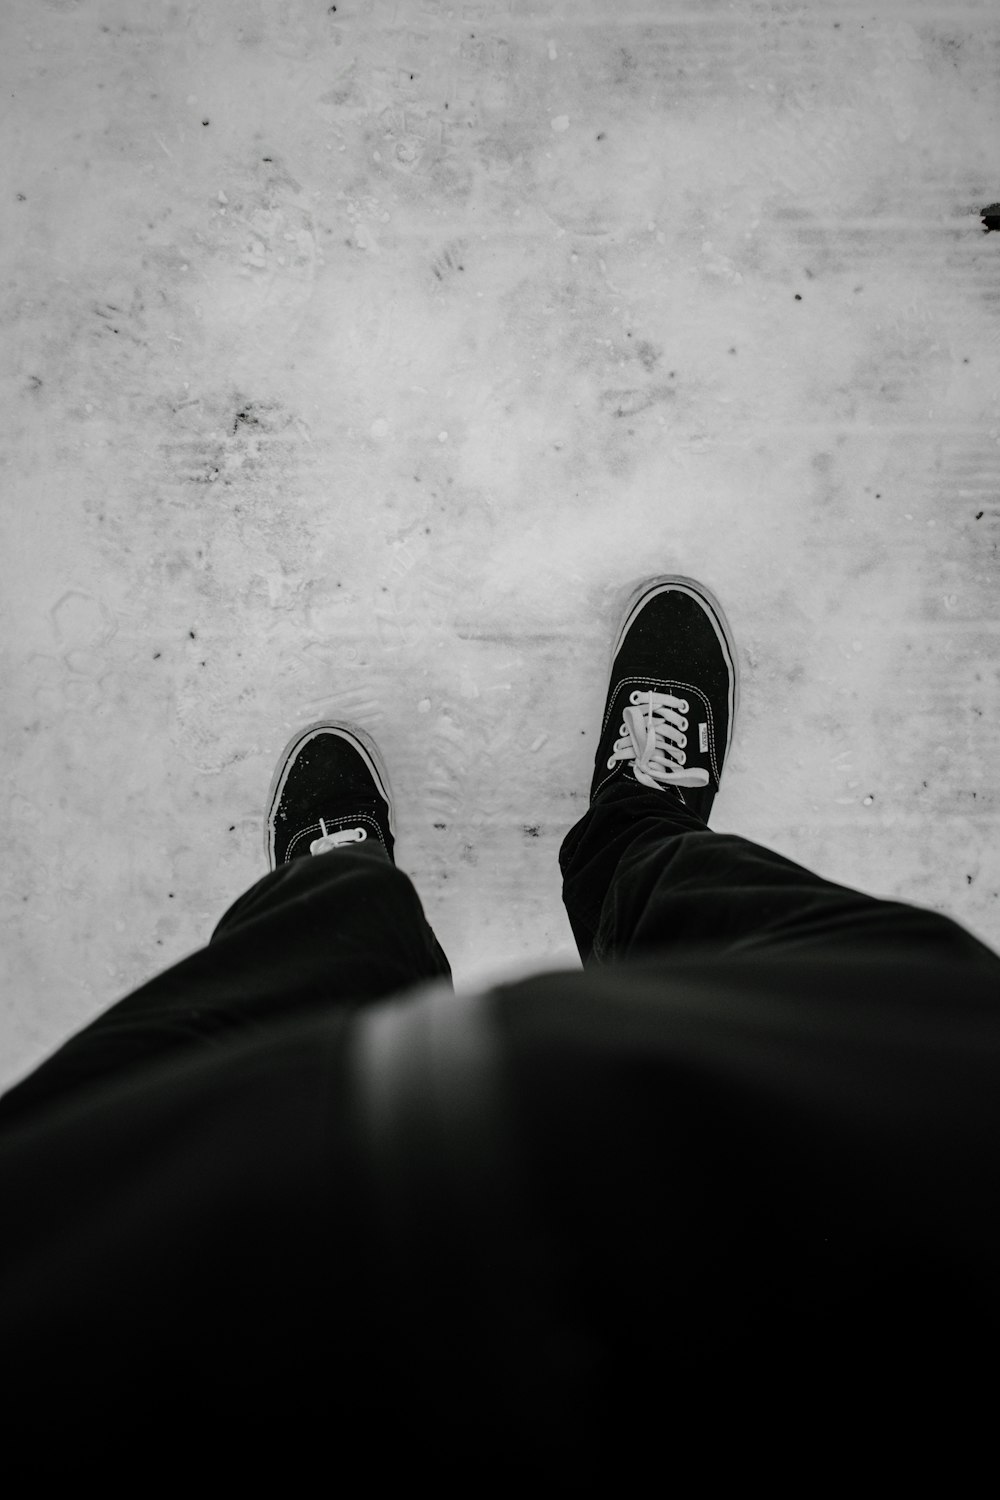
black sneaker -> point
(329, 788)
(673, 695)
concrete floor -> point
(355, 356)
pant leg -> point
(339, 929)
(642, 872)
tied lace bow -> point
(335, 840)
(651, 732)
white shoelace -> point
(335, 840)
(648, 732)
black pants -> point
(756, 1147)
